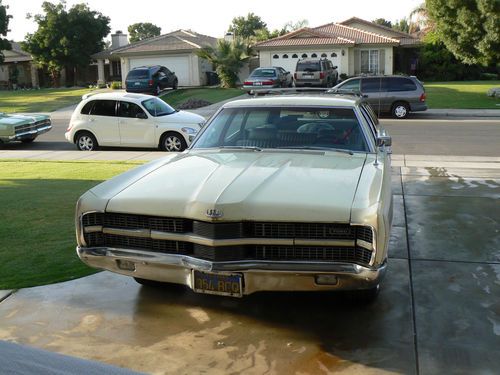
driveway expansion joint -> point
(7, 294)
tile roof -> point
(180, 40)
(16, 54)
(337, 34)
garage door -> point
(288, 60)
(177, 64)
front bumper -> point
(257, 276)
(28, 134)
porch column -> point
(111, 68)
(101, 78)
(125, 68)
(34, 76)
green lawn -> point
(212, 95)
(44, 100)
(469, 94)
(37, 231)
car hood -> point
(20, 119)
(181, 117)
(247, 185)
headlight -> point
(189, 130)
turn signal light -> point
(326, 279)
(150, 82)
(422, 97)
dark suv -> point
(315, 72)
(150, 79)
(397, 95)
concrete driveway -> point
(438, 311)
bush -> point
(489, 76)
(116, 85)
(343, 76)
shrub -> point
(116, 85)
(489, 76)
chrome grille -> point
(126, 221)
(304, 230)
(365, 234)
(313, 253)
(33, 126)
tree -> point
(66, 37)
(419, 19)
(228, 58)
(402, 25)
(142, 30)
(4, 29)
(245, 28)
(383, 22)
(470, 29)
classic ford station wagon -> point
(23, 128)
(279, 193)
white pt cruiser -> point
(131, 120)
(289, 193)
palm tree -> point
(228, 58)
(419, 18)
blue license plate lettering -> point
(216, 283)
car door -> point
(102, 121)
(136, 127)
(375, 91)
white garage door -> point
(288, 60)
(177, 64)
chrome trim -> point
(364, 244)
(321, 242)
(373, 245)
(30, 132)
(141, 233)
(92, 229)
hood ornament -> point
(214, 213)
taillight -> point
(248, 83)
(321, 75)
(422, 97)
(150, 82)
(271, 82)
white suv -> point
(131, 120)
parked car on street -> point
(315, 72)
(150, 79)
(279, 193)
(23, 128)
(271, 77)
(131, 120)
(397, 95)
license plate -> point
(308, 75)
(137, 83)
(257, 83)
(223, 284)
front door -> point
(136, 128)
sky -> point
(212, 17)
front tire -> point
(175, 85)
(28, 140)
(86, 141)
(400, 110)
(172, 142)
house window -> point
(295, 56)
(314, 55)
(324, 55)
(304, 55)
(370, 61)
(285, 56)
(276, 57)
(333, 54)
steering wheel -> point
(315, 127)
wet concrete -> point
(438, 310)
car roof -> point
(120, 95)
(300, 100)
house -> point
(355, 46)
(18, 69)
(175, 50)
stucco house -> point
(355, 46)
(175, 50)
(17, 59)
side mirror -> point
(141, 115)
(384, 140)
(173, 73)
(335, 67)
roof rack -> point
(303, 90)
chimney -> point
(118, 39)
(229, 37)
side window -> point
(373, 85)
(104, 108)
(234, 125)
(401, 84)
(353, 84)
(87, 108)
(130, 110)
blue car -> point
(150, 79)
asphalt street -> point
(470, 137)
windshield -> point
(157, 107)
(138, 74)
(264, 73)
(284, 128)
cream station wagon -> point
(279, 193)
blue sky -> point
(214, 16)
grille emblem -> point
(214, 213)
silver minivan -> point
(397, 95)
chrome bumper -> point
(30, 133)
(257, 275)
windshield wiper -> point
(317, 148)
(254, 148)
